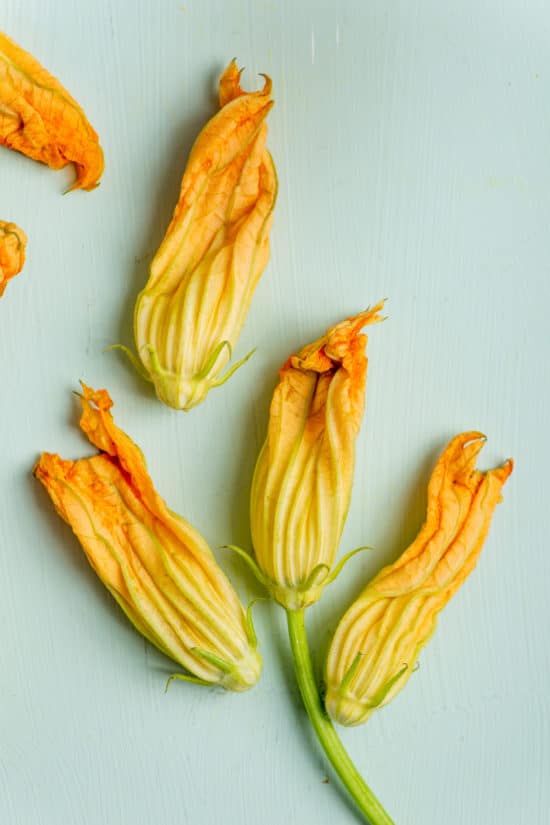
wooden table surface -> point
(412, 143)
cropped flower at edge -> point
(303, 479)
(189, 316)
(13, 243)
(158, 568)
(39, 118)
(377, 642)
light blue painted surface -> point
(412, 144)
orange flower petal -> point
(158, 568)
(13, 243)
(303, 478)
(189, 316)
(39, 118)
(377, 642)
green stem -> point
(333, 747)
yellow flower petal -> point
(158, 568)
(378, 640)
(189, 316)
(303, 478)
(39, 118)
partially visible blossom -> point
(39, 118)
(13, 242)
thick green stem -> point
(360, 792)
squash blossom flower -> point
(158, 568)
(303, 478)
(378, 640)
(13, 242)
(202, 279)
(39, 118)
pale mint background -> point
(412, 141)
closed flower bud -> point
(13, 242)
(303, 479)
(158, 568)
(377, 642)
(189, 316)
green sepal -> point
(343, 561)
(317, 576)
(383, 691)
(133, 359)
(155, 363)
(212, 659)
(250, 629)
(352, 670)
(233, 369)
(204, 373)
(249, 560)
(183, 677)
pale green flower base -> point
(354, 783)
